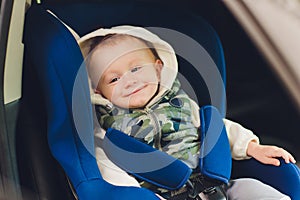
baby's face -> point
(131, 80)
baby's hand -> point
(268, 154)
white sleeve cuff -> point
(239, 138)
(239, 151)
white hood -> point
(164, 50)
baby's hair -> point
(97, 40)
(113, 39)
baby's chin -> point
(133, 103)
(138, 104)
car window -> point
(276, 34)
(14, 59)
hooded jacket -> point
(168, 97)
(166, 122)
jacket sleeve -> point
(239, 138)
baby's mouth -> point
(136, 90)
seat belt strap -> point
(144, 161)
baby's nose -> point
(129, 81)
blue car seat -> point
(54, 56)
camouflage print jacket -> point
(165, 125)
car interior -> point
(52, 160)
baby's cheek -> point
(149, 77)
(150, 80)
(115, 95)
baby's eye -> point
(135, 69)
(114, 80)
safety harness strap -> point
(145, 162)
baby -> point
(133, 76)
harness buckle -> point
(198, 189)
(213, 193)
(193, 190)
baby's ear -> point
(97, 91)
(158, 66)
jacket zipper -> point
(154, 119)
(156, 127)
